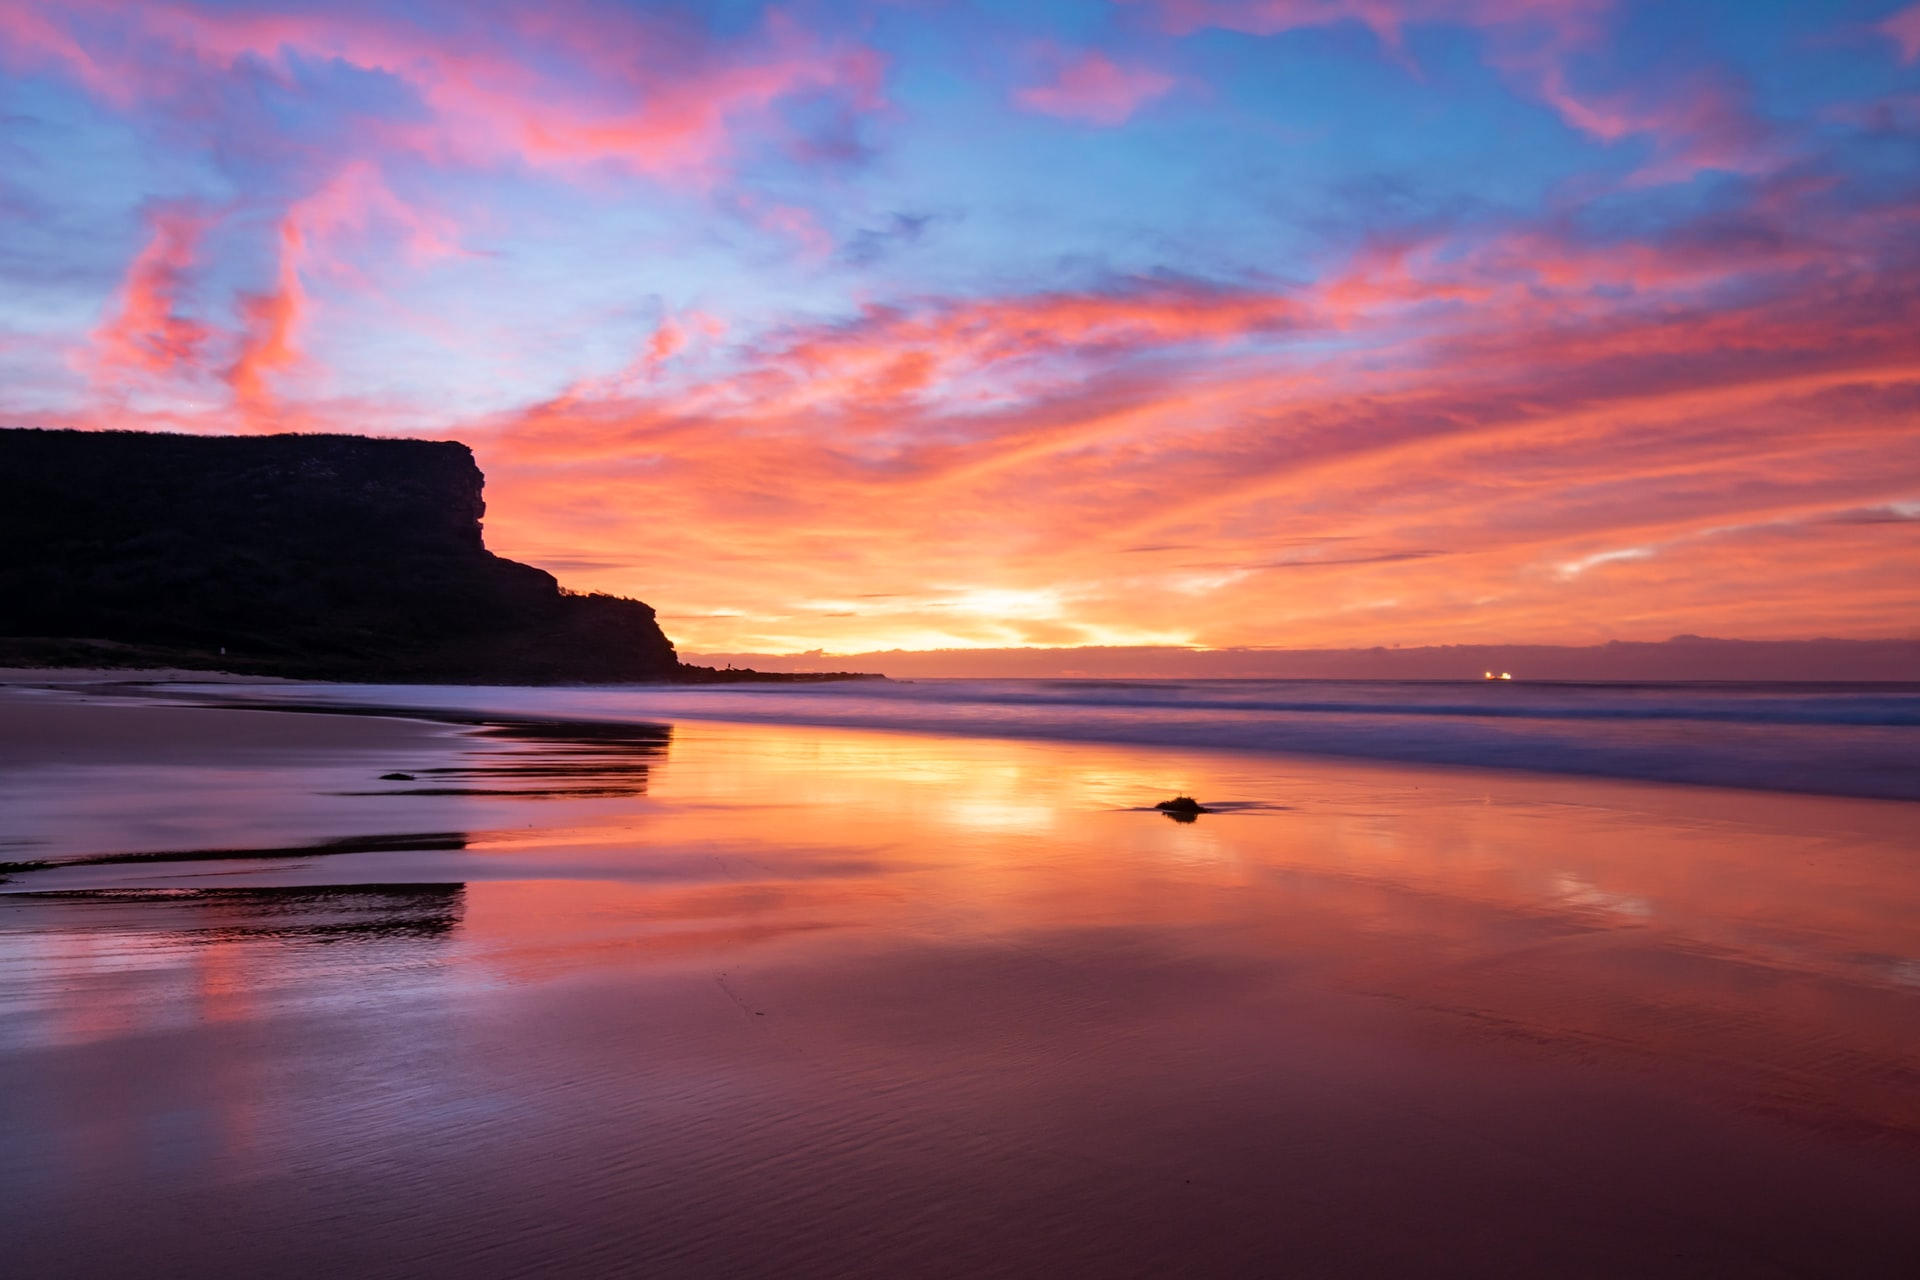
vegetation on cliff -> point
(319, 556)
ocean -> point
(1832, 739)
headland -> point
(331, 557)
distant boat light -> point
(1504, 675)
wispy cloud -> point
(1904, 28)
(1090, 86)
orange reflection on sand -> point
(1759, 947)
(1762, 946)
(855, 979)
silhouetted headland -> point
(309, 556)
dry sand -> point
(777, 1001)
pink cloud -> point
(1700, 124)
(357, 199)
(148, 337)
(1904, 27)
(1694, 126)
(622, 91)
(1093, 88)
(1385, 17)
(667, 340)
(792, 222)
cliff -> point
(318, 556)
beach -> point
(323, 980)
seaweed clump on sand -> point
(1182, 808)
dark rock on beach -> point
(688, 674)
(1182, 808)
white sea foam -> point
(1839, 739)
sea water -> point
(1835, 739)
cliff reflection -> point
(282, 913)
(537, 759)
(422, 842)
(554, 758)
(84, 965)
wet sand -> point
(771, 1000)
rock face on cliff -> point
(321, 556)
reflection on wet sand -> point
(824, 1002)
(424, 841)
(91, 965)
(541, 757)
(548, 758)
(212, 917)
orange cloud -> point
(1533, 434)
(1173, 464)
(267, 339)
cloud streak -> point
(1093, 88)
(566, 85)
(1526, 430)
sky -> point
(906, 324)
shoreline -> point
(1777, 744)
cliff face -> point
(317, 556)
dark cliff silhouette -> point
(319, 556)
